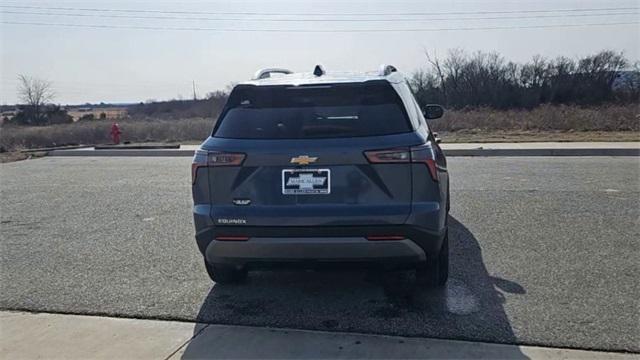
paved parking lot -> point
(544, 251)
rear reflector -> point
(232, 238)
(385, 237)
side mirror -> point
(432, 111)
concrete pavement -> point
(55, 336)
(456, 149)
(544, 251)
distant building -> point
(97, 113)
(626, 80)
(7, 115)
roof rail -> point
(266, 73)
(386, 70)
(319, 70)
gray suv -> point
(310, 169)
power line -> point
(317, 13)
(136, 27)
(319, 20)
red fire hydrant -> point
(115, 133)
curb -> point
(26, 151)
(136, 147)
(450, 152)
(545, 152)
(124, 152)
(117, 338)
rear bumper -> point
(259, 251)
(313, 245)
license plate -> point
(306, 181)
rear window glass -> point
(303, 112)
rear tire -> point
(436, 271)
(225, 274)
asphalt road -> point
(544, 251)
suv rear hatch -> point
(302, 156)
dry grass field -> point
(543, 118)
(545, 123)
(96, 132)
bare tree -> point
(487, 79)
(453, 69)
(35, 94)
(435, 64)
(598, 72)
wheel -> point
(225, 274)
(436, 271)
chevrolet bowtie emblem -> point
(303, 160)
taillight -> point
(425, 154)
(388, 156)
(416, 154)
(225, 159)
(204, 158)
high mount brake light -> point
(204, 158)
(416, 154)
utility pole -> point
(195, 97)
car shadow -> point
(470, 307)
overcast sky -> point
(119, 63)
